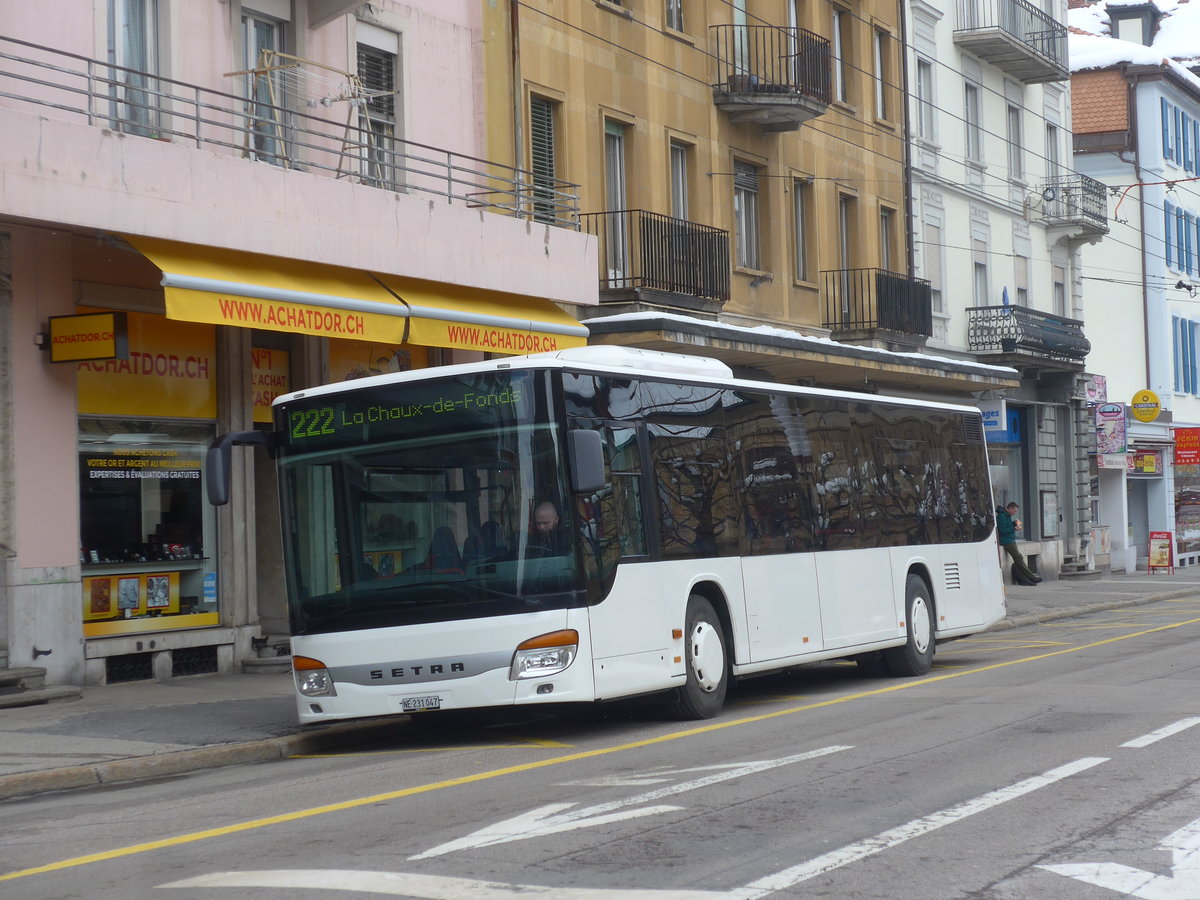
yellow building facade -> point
(740, 164)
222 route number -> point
(312, 423)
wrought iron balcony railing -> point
(1013, 329)
(640, 249)
(877, 300)
(361, 148)
(1016, 36)
(777, 77)
(1076, 200)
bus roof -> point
(603, 359)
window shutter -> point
(1166, 128)
(377, 71)
(1168, 228)
(1175, 348)
(541, 138)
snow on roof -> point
(1176, 41)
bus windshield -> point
(397, 517)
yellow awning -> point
(251, 290)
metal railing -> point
(1025, 22)
(763, 59)
(640, 249)
(876, 299)
(73, 87)
(1075, 198)
(1008, 329)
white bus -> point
(708, 528)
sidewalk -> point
(146, 729)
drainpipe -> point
(909, 249)
(514, 32)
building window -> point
(675, 14)
(133, 45)
(840, 43)
(745, 214)
(1016, 144)
(971, 118)
(679, 180)
(1060, 291)
(932, 264)
(617, 251)
(800, 220)
(1021, 275)
(543, 158)
(887, 237)
(979, 261)
(1053, 158)
(1183, 345)
(1168, 232)
(266, 111)
(377, 115)
(926, 103)
(881, 74)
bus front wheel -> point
(915, 656)
(703, 694)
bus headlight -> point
(312, 678)
(546, 654)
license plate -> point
(416, 704)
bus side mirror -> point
(587, 460)
(217, 463)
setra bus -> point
(605, 522)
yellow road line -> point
(253, 824)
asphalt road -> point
(1052, 761)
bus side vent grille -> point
(953, 578)
(972, 430)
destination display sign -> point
(406, 409)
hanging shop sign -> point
(1096, 389)
(1145, 405)
(1110, 428)
(994, 418)
(1187, 446)
(102, 335)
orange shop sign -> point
(89, 336)
(1187, 446)
(269, 376)
(171, 371)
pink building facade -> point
(255, 197)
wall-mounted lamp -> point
(1182, 285)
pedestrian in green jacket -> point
(1007, 525)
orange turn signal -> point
(553, 639)
(305, 663)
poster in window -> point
(158, 591)
(101, 596)
(129, 593)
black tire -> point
(707, 663)
(915, 657)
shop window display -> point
(146, 534)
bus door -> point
(628, 617)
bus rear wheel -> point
(703, 694)
(915, 656)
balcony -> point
(1076, 203)
(1019, 336)
(646, 256)
(775, 78)
(140, 104)
(1016, 37)
(878, 306)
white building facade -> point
(998, 219)
(1137, 126)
